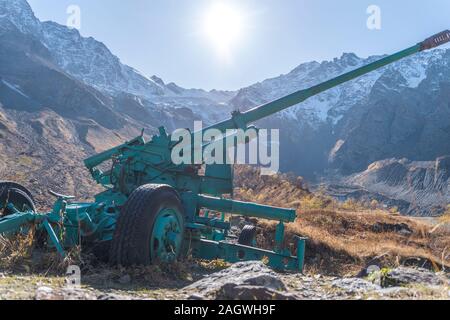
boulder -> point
(404, 276)
(243, 280)
(231, 291)
(355, 285)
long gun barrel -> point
(247, 209)
(241, 120)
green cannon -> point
(155, 210)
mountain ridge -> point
(112, 77)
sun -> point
(223, 26)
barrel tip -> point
(436, 40)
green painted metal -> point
(231, 252)
(301, 249)
(53, 237)
(12, 223)
(205, 197)
(246, 209)
(279, 237)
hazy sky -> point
(266, 38)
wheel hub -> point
(165, 243)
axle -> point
(247, 209)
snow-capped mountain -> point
(332, 105)
(326, 127)
(20, 14)
(91, 62)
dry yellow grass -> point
(445, 219)
(342, 237)
(16, 252)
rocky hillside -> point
(424, 185)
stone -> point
(404, 276)
(244, 275)
(393, 291)
(355, 285)
(109, 296)
(401, 228)
(126, 279)
(46, 293)
(196, 297)
(231, 291)
(76, 293)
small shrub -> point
(350, 205)
(394, 210)
(313, 203)
(374, 204)
(446, 216)
(16, 252)
(217, 264)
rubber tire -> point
(10, 184)
(100, 251)
(131, 241)
(17, 197)
(247, 236)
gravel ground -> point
(250, 280)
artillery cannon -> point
(155, 210)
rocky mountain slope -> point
(398, 111)
(91, 62)
(423, 185)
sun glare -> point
(223, 25)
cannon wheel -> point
(9, 185)
(247, 236)
(150, 227)
(16, 194)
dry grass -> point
(18, 254)
(343, 239)
(445, 219)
